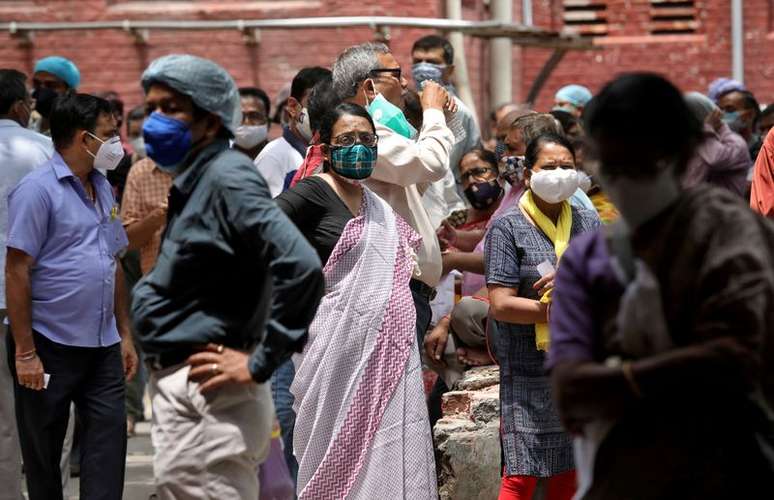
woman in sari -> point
(522, 249)
(362, 429)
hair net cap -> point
(700, 105)
(206, 83)
(577, 95)
(722, 86)
(62, 68)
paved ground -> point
(138, 484)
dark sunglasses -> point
(396, 72)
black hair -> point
(12, 89)
(258, 94)
(136, 113)
(769, 110)
(115, 101)
(412, 109)
(645, 116)
(565, 119)
(750, 102)
(431, 42)
(72, 112)
(536, 146)
(332, 116)
(306, 79)
(321, 100)
(485, 155)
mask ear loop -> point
(365, 93)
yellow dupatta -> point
(559, 235)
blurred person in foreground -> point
(21, 150)
(211, 343)
(722, 158)
(661, 348)
(68, 321)
(285, 154)
(250, 137)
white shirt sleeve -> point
(406, 162)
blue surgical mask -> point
(167, 141)
(391, 116)
(424, 71)
(354, 162)
(734, 120)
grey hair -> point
(536, 124)
(354, 65)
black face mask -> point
(483, 195)
(44, 101)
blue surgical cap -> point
(722, 86)
(577, 95)
(209, 86)
(62, 68)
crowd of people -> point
(329, 285)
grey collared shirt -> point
(232, 268)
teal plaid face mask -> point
(353, 162)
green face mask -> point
(391, 116)
(354, 162)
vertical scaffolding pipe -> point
(461, 78)
(500, 57)
(526, 9)
(737, 40)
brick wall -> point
(111, 59)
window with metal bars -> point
(585, 17)
(673, 17)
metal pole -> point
(526, 9)
(737, 40)
(500, 54)
(461, 80)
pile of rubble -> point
(467, 437)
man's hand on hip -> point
(216, 366)
(129, 357)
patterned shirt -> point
(146, 189)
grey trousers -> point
(208, 446)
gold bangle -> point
(628, 373)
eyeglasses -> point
(396, 72)
(350, 138)
(478, 173)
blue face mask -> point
(167, 141)
(424, 71)
(734, 120)
(354, 162)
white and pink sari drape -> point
(362, 429)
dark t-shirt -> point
(318, 212)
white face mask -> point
(249, 136)
(554, 186)
(584, 181)
(303, 126)
(110, 153)
(639, 200)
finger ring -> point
(215, 368)
(220, 349)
